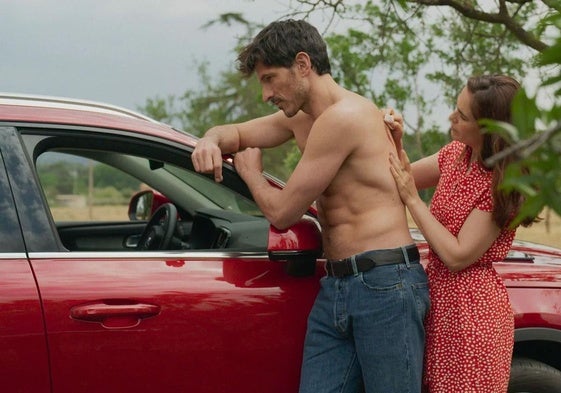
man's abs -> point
(347, 233)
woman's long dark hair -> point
(492, 97)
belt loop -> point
(406, 256)
(353, 265)
(329, 269)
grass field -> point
(95, 213)
(548, 231)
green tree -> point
(417, 57)
(107, 177)
(414, 55)
(62, 177)
(458, 38)
(537, 174)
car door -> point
(185, 322)
(203, 320)
(24, 364)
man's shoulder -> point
(355, 101)
(351, 108)
(294, 123)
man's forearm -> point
(280, 210)
(270, 200)
(226, 137)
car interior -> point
(92, 185)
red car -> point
(180, 287)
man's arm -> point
(326, 150)
(266, 131)
(207, 156)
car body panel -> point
(534, 285)
(24, 364)
(259, 311)
(33, 115)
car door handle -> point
(114, 313)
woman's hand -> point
(403, 176)
(394, 122)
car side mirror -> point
(299, 245)
(144, 203)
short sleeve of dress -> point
(448, 154)
(485, 200)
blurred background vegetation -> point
(62, 175)
(415, 56)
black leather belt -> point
(370, 259)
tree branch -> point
(525, 147)
(502, 17)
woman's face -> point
(463, 126)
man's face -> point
(283, 87)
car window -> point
(80, 189)
(83, 189)
(216, 192)
(10, 234)
(112, 191)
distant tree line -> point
(110, 186)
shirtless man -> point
(365, 330)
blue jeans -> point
(366, 333)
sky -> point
(123, 52)
(120, 52)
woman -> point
(470, 327)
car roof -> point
(67, 103)
(37, 109)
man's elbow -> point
(283, 220)
(281, 224)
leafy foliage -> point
(414, 55)
(538, 173)
(453, 39)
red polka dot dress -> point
(470, 326)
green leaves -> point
(537, 174)
(415, 57)
(506, 130)
(525, 112)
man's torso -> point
(360, 209)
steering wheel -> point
(159, 230)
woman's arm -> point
(475, 237)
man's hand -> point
(248, 162)
(207, 158)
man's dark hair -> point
(278, 44)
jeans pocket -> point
(383, 278)
(422, 300)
